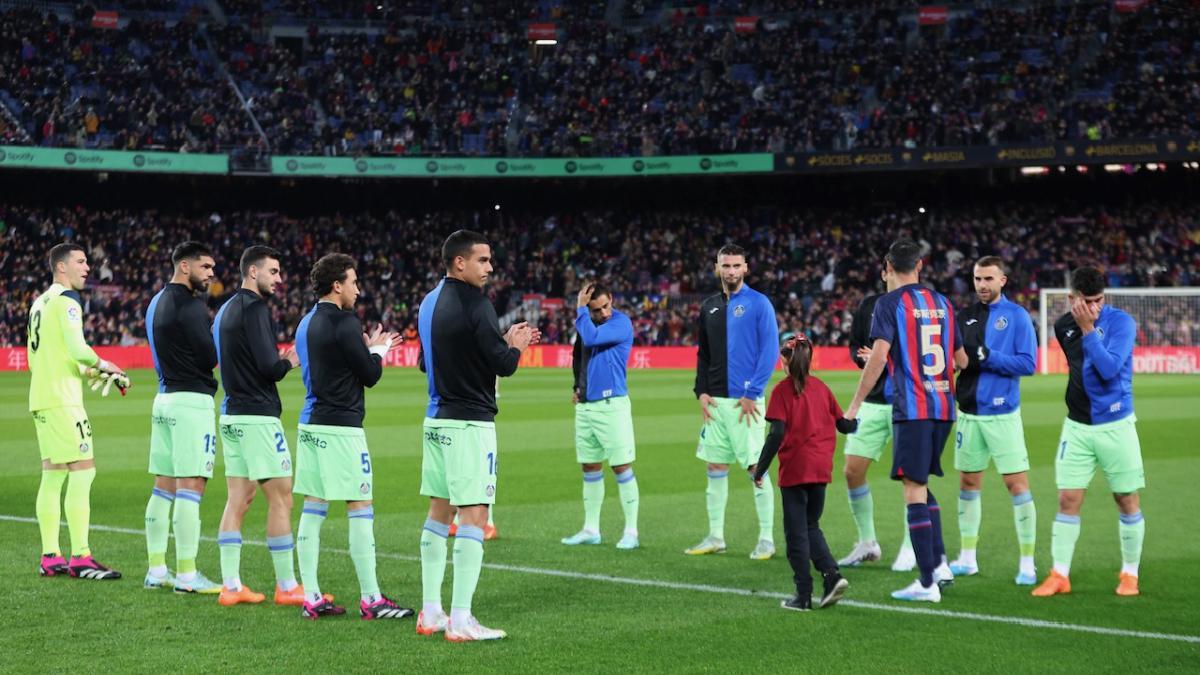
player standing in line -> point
(183, 434)
(59, 358)
(1099, 431)
(462, 352)
(255, 448)
(603, 417)
(865, 446)
(912, 333)
(738, 350)
(337, 361)
(998, 337)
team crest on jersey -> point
(1001, 323)
(739, 310)
(364, 488)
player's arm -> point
(770, 449)
(613, 332)
(859, 337)
(366, 363)
(262, 345)
(1021, 362)
(502, 358)
(767, 332)
(197, 331)
(577, 368)
(69, 315)
(702, 358)
(870, 375)
(1111, 353)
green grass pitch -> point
(691, 614)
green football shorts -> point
(999, 437)
(873, 433)
(1114, 447)
(183, 435)
(332, 463)
(604, 432)
(458, 461)
(254, 447)
(727, 440)
(64, 434)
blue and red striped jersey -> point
(919, 325)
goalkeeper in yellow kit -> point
(59, 362)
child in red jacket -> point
(804, 417)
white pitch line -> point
(744, 592)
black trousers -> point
(802, 509)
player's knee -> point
(718, 467)
(590, 468)
(622, 468)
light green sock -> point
(362, 551)
(862, 509)
(49, 508)
(1025, 519)
(229, 543)
(308, 547)
(718, 495)
(282, 548)
(468, 562)
(627, 488)
(78, 505)
(158, 528)
(187, 530)
(593, 499)
(764, 505)
(1132, 531)
(1063, 536)
(433, 560)
(970, 514)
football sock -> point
(970, 513)
(1025, 519)
(862, 509)
(158, 527)
(920, 530)
(1133, 532)
(282, 548)
(627, 487)
(433, 563)
(187, 532)
(717, 495)
(362, 551)
(230, 544)
(1063, 536)
(308, 547)
(49, 508)
(468, 562)
(78, 505)
(935, 517)
(593, 499)
(764, 506)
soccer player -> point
(739, 347)
(603, 421)
(913, 334)
(1099, 431)
(865, 446)
(58, 359)
(255, 448)
(462, 352)
(998, 337)
(183, 434)
(337, 360)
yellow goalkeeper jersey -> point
(56, 350)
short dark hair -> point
(599, 289)
(904, 255)
(992, 261)
(460, 243)
(61, 252)
(190, 250)
(329, 269)
(731, 249)
(1087, 280)
(255, 255)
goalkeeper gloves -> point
(98, 378)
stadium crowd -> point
(462, 79)
(815, 265)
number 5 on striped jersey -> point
(931, 344)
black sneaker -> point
(797, 604)
(88, 567)
(383, 608)
(320, 609)
(835, 588)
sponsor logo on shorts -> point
(491, 490)
(162, 419)
(309, 438)
(739, 310)
(83, 448)
(1001, 323)
(440, 439)
(231, 432)
(364, 488)
(39, 417)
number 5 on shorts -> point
(366, 463)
